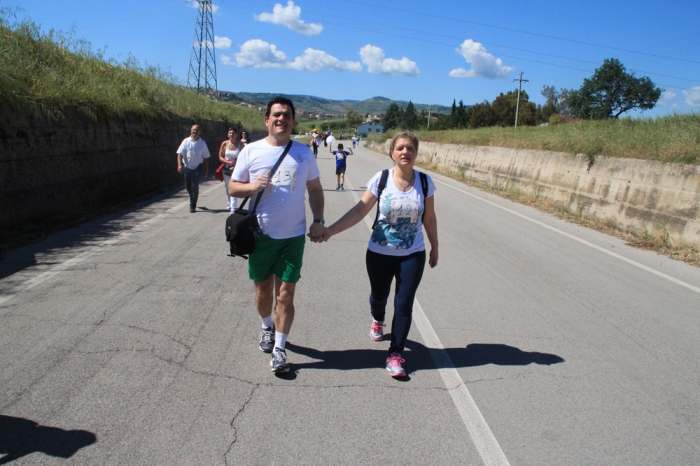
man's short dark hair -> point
(282, 101)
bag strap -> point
(380, 188)
(272, 173)
(424, 185)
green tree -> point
(353, 118)
(612, 91)
(392, 117)
(551, 105)
(410, 119)
(505, 105)
(481, 115)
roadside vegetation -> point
(671, 139)
(46, 72)
(657, 241)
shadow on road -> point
(20, 437)
(419, 358)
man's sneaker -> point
(337, 188)
(267, 339)
(393, 365)
(376, 331)
(342, 188)
(278, 361)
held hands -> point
(318, 233)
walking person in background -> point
(275, 264)
(244, 137)
(193, 162)
(340, 165)
(228, 154)
(396, 249)
(315, 141)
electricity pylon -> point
(202, 74)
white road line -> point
(32, 282)
(484, 440)
(576, 238)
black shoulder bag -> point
(382, 185)
(242, 224)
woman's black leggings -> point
(408, 271)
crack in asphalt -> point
(233, 422)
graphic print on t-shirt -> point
(401, 229)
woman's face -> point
(231, 134)
(244, 135)
(404, 152)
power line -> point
(132, 16)
(520, 31)
(477, 51)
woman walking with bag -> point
(228, 154)
(396, 249)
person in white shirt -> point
(193, 161)
(228, 154)
(275, 264)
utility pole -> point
(517, 105)
(429, 108)
(202, 73)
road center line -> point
(91, 251)
(484, 440)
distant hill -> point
(318, 104)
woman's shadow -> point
(20, 437)
(475, 354)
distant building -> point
(370, 128)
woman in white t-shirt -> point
(396, 248)
(228, 154)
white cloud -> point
(290, 16)
(666, 97)
(316, 60)
(484, 64)
(692, 96)
(195, 5)
(373, 57)
(257, 53)
(222, 43)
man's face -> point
(280, 122)
(195, 132)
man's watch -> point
(320, 220)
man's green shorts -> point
(281, 257)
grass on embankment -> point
(672, 139)
(43, 73)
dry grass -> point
(652, 241)
(670, 139)
(43, 73)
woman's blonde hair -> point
(403, 135)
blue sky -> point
(427, 52)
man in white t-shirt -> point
(275, 264)
(193, 161)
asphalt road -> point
(133, 340)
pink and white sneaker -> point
(376, 332)
(393, 365)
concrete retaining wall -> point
(635, 195)
(57, 168)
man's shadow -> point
(475, 354)
(20, 437)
